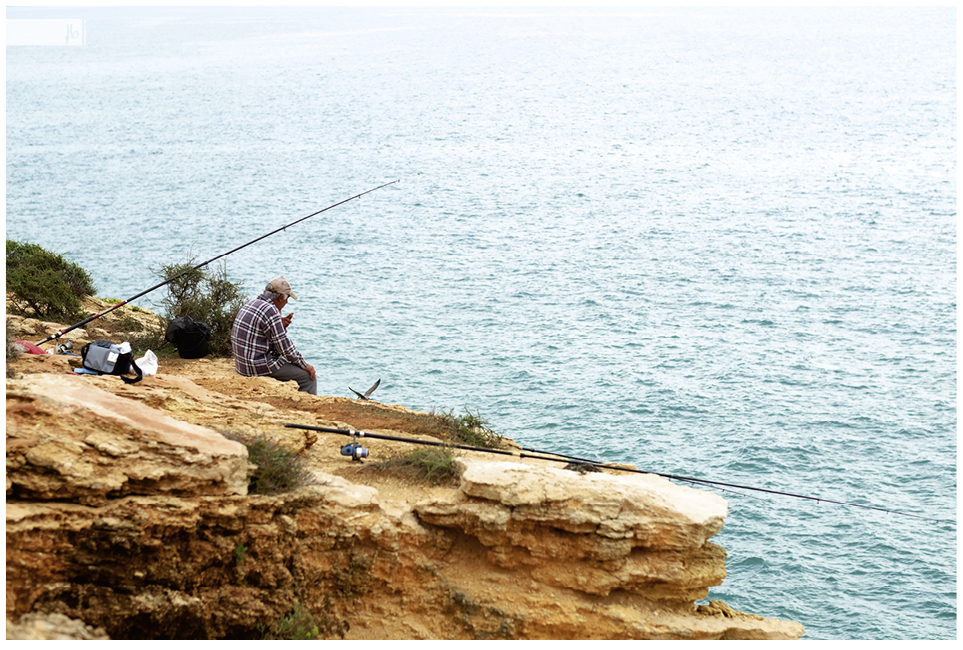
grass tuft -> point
(240, 552)
(435, 465)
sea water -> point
(714, 243)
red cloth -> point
(30, 348)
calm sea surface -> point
(717, 243)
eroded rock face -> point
(129, 522)
(69, 440)
(593, 532)
(217, 567)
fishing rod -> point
(202, 264)
(357, 452)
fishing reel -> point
(355, 451)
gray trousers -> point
(291, 372)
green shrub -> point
(278, 469)
(470, 429)
(207, 296)
(46, 283)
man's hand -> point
(310, 370)
(286, 320)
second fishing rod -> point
(57, 335)
(356, 452)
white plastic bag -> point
(147, 363)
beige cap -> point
(281, 285)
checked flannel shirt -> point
(261, 344)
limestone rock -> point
(68, 439)
(593, 532)
(52, 627)
(128, 514)
(210, 567)
(644, 508)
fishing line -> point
(600, 464)
(563, 458)
(716, 484)
(741, 487)
(202, 264)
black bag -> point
(189, 336)
(106, 358)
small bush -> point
(207, 296)
(278, 469)
(46, 283)
(436, 465)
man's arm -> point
(280, 341)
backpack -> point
(106, 358)
(189, 336)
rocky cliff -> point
(128, 516)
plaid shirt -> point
(261, 344)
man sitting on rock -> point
(260, 339)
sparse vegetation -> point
(240, 552)
(205, 295)
(436, 465)
(278, 469)
(114, 301)
(298, 624)
(45, 283)
(470, 429)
